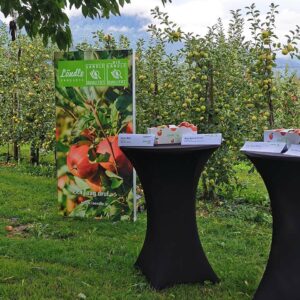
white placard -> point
(201, 139)
(294, 150)
(138, 140)
(264, 147)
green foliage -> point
(26, 92)
(49, 20)
(221, 83)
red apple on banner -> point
(95, 183)
(78, 162)
(117, 157)
(81, 199)
(129, 128)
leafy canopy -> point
(48, 19)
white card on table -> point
(264, 147)
(294, 150)
(201, 139)
(138, 140)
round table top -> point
(171, 148)
(272, 156)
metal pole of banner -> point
(134, 130)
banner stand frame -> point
(134, 130)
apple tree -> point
(27, 94)
(49, 20)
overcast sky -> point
(191, 15)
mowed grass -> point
(52, 257)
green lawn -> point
(51, 257)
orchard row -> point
(221, 82)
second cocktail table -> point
(281, 174)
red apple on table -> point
(184, 124)
(78, 162)
(188, 125)
(117, 159)
(193, 127)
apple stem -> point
(70, 113)
(105, 135)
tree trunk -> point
(155, 76)
(16, 151)
(37, 156)
(16, 108)
(34, 159)
(8, 154)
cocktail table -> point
(281, 175)
(172, 252)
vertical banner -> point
(95, 101)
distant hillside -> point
(293, 64)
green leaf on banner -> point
(124, 103)
(62, 171)
(129, 200)
(60, 147)
(81, 183)
(103, 158)
(114, 116)
(102, 118)
(80, 210)
(112, 175)
(116, 183)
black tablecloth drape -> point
(281, 174)
(172, 252)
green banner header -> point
(106, 72)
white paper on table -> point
(264, 147)
(201, 139)
(138, 140)
(294, 150)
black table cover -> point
(172, 252)
(281, 174)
